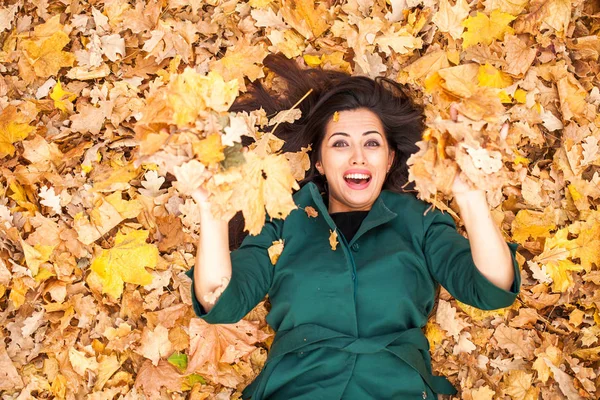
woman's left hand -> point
(463, 189)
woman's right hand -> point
(200, 196)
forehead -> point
(354, 122)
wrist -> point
(471, 198)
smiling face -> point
(355, 158)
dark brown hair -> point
(333, 91)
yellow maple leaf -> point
(490, 76)
(478, 314)
(125, 262)
(36, 255)
(61, 97)
(484, 29)
(520, 96)
(312, 61)
(209, 150)
(17, 292)
(434, 334)
(266, 184)
(241, 61)
(310, 19)
(572, 97)
(555, 259)
(191, 93)
(533, 224)
(588, 247)
(14, 126)
(336, 61)
(46, 55)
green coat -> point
(349, 321)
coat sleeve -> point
(251, 277)
(449, 259)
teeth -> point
(357, 176)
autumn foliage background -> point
(113, 111)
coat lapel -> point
(379, 215)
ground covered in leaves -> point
(112, 112)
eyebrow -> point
(345, 134)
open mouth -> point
(357, 180)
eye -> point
(339, 143)
(372, 143)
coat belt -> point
(405, 345)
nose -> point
(358, 158)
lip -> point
(358, 171)
(356, 186)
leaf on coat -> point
(275, 251)
(311, 212)
(333, 242)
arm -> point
(490, 253)
(233, 283)
(212, 271)
(451, 261)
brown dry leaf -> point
(482, 393)
(515, 341)
(299, 162)
(211, 345)
(152, 378)
(311, 212)
(519, 56)
(518, 385)
(155, 344)
(565, 382)
(449, 18)
(120, 91)
(10, 378)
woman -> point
(349, 320)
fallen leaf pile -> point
(112, 112)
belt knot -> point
(364, 346)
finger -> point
(453, 112)
(504, 131)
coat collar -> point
(378, 215)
